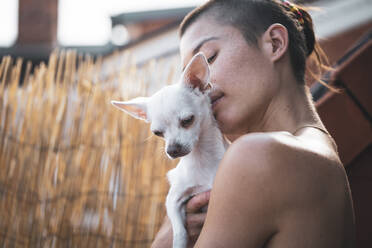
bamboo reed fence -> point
(75, 171)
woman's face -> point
(241, 75)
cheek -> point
(190, 136)
(183, 137)
(228, 71)
(219, 75)
(243, 75)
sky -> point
(82, 22)
(8, 22)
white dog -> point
(182, 115)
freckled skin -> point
(280, 184)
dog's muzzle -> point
(176, 150)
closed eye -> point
(212, 58)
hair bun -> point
(308, 30)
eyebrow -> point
(197, 48)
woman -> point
(281, 182)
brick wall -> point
(37, 22)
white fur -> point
(202, 141)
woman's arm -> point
(243, 205)
(164, 237)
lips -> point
(215, 97)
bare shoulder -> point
(284, 162)
(270, 181)
(281, 151)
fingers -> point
(194, 225)
(196, 203)
(194, 235)
(195, 220)
(195, 215)
(191, 243)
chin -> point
(227, 126)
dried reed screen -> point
(74, 170)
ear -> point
(196, 74)
(275, 41)
(136, 107)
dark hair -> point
(253, 17)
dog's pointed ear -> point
(196, 74)
(136, 107)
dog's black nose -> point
(176, 150)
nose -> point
(175, 150)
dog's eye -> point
(185, 123)
(158, 133)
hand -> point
(195, 216)
(196, 211)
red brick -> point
(37, 22)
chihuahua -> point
(181, 114)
